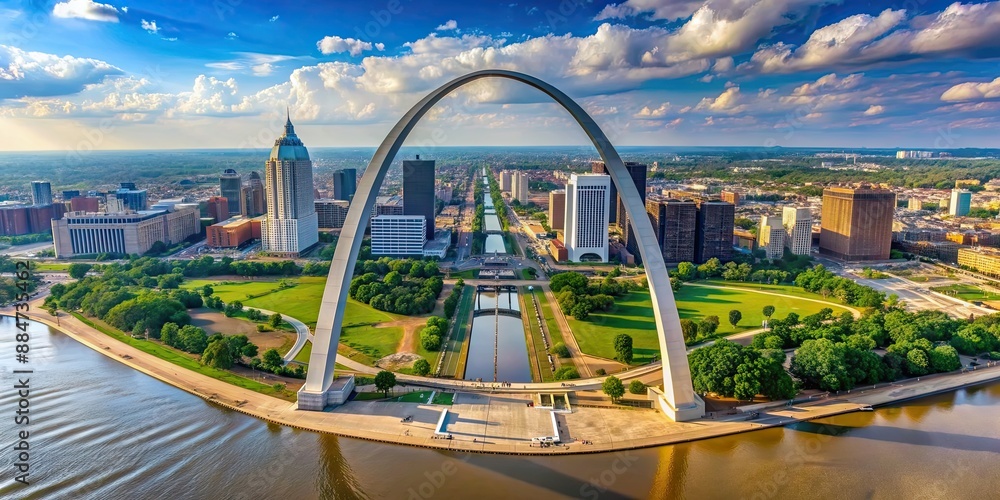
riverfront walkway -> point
(500, 422)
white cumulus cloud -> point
(875, 109)
(86, 9)
(26, 74)
(335, 45)
(972, 91)
(150, 26)
(448, 26)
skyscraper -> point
(636, 172)
(798, 229)
(229, 186)
(41, 193)
(252, 196)
(345, 183)
(506, 178)
(418, 191)
(714, 232)
(857, 223)
(132, 198)
(291, 225)
(771, 237)
(557, 209)
(588, 203)
(519, 187)
(674, 223)
(961, 202)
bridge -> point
(497, 310)
(676, 399)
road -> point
(301, 331)
(26, 250)
(918, 297)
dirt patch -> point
(213, 321)
(399, 360)
(610, 367)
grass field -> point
(373, 342)
(633, 315)
(459, 334)
(444, 398)
(50, 266)
(184, 361)
(538, 345)
(415, 397)
(967, 292)
(468, 274)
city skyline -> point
(759, 73)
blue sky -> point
(80, 74)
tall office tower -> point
(128, 186)
(674, 223)
(771, 237)
(291, 225)
(798, 229)
(588, 203)
(637, 172)
(132, 199)
(714, 232)
(229, 185)
(557, 209)
(519, 188)
(961, 202)
(345, 183)
(218, 208)
(857, 223)
(398, 235)
(41, 193)
(252, 196)
(597, 167)
(418, 191)
(69, 194)
(506, 178)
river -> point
(102, 430)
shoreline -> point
(378, 421)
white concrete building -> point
(797, 222)
(519, 188)
(506, 176)
(291, 225)
(398, 234)
(588, 201)
(771, 237)
(84, 233)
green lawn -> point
(538, 345)
(303, 355)
(444, 398)
(633, 315)
(967, 292)
(372, 342)
(459, 334)
(50, 266)
(468, 274)
(415, 397)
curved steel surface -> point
(677, 385)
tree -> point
(613, 387)
(207, 291)
(735, 317)
(275, 320)
(685, 271)
(78, 271)
(708, 325)
(623, 348)
(218, 355)
(567, 373)
(690, 330)
(768, 311)
(168, 334)
(272, 359)
(421, 367)
(384, 381)
(560, 350)
(637, 387)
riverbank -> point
(501, 423)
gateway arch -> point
(677, 398)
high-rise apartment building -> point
(345, 183)
(798, 229)
(291, 225)
(961, 202)
(519, 187)
(714, 231)
(418, 191)
(218, 208)
(557, 209)
(41, 193)
(856, 223)
(506, 179)
(252, 197)
(674, 223)
(637, 173)
(771, 237)
(230, 186)
(332, 213)
(588, 204)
